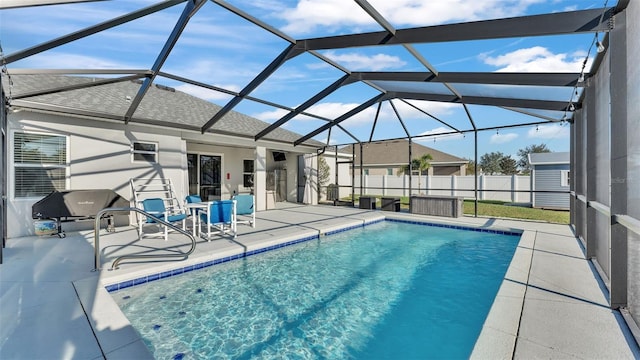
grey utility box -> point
(450, 206)
(390, 203)
(367, 202)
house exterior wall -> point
(449, 170)
(549, 178)
(99, 157)
(232, 165)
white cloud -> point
(434, 108)
(214, 70)
(333, 141)
(503, 138)
(439, 130)
(309, 14)
(537, 59)
(355, 61)
(333, 15)
(207, 94)
(334, 110)
(270, 116)
(58, 60)
(553, 131)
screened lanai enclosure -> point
(308, 76)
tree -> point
(523, 162)
(508, 166)
(471, 167)
(490, 162)
(324, 172)
(421, 164)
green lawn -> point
(504, 210)
(499, 209)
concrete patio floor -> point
(53, 306)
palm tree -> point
(422, 164)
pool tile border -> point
(459, 227)
(170, 273)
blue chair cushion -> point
(155, 207)
(193, 199)
(190, 199)
(219, 212)
(244, 204)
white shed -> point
(550, 172)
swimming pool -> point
(388, 290)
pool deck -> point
(551, 304)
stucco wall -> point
(100, 158)
(232, 165)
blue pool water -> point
(386, 291)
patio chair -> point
(156, 207)
(192, 199)
(245, 207)
(219, 216)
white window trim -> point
(248, 173)
(12, 164)
(154, 153)
(564, 178)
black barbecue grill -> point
(74, 205)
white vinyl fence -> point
(512, 188)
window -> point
(247, 173)
(565, 178)
(144, 151)
(40, 164)
(389, 171)
(366, 171)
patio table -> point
(195, 219)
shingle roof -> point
(549, 158)
(397, 152)
(161, 105)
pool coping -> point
(103, 312)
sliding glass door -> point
(205, 176)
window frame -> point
(565, 178)
(145, 153)
(246, 173)
(15, 165)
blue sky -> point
(222, 49)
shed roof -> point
(549, 158)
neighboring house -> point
(550, 172)
(389, 157)
(79, 139)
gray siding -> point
(548, 178)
